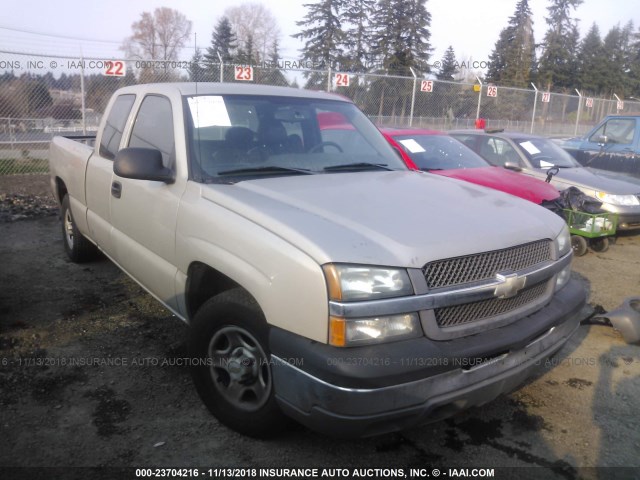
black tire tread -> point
(83, 250)
(236, 306)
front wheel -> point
(231, 366)
(78, 248)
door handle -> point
(116, 189)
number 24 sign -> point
(342, 79)
(244, 73)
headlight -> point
(365, 331)
(354, 282)
(563, 277)
(627, 200)
(563, 242)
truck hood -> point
(531, 189)
(398, 218)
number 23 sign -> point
(244, 73)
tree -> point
(592, 67)
(247, 55)
(557, 66)
(256, 22)
(401, 35)
(158, 36)
(323, 36)
(448, 66)
(512, 61)
(358, 35)
(616, 48)
(196, 70)
(223, 43)
(273, 75)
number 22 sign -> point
(114, 68)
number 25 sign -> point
(244, 73)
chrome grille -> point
(471, 312)
(483, 266)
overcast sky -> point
(470, 26)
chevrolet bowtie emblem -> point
(509, 285)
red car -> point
(436, 152)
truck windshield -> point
(237, 137)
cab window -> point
(114, 126)
(153, 128)
(617, 130)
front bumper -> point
(404, 384)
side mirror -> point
(512, 166)
(142, 164)
(602, 140)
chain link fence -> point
(44, 96)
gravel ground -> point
(91, 376)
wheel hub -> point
(243, 366)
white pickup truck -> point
(321, 279)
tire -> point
(600, 244)
(78, 248)
(231, 366)
(579, 245)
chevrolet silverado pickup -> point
(311, 290)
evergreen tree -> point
(401, 36)
(617, 46)
(223, 42)
(273, 74)
(557, 65)
(196, 70)
(247, 54)
(358, 35)
(634, 61)
(449, 65)
(512, 61)
(323, 36)
(592, 68)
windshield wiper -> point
(357, 166)
(272, 170)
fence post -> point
(413, 96)
(575, 131)
(479, 98)
(329, 79)
(535, 104)
(82, 95)
(221, 67)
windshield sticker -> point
(544, 164)
(411, 145)
(209, 111)
(530, 147)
